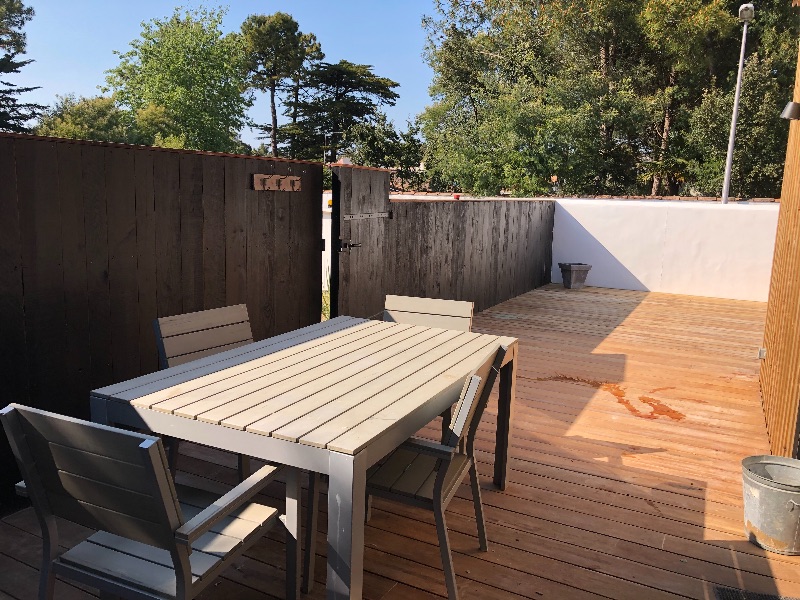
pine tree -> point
(14, 113)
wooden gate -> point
(484, 251)
(359, 233)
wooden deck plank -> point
(633, 413)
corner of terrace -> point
(635, 399)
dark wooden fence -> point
(485, 251)
(97, 240)
(780, 371)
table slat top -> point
(338, 384)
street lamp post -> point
(325, 142)
(746, 14)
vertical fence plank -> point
(235, 231)
(260, 244)
(121, 206)
(487, 269)
(13, 350)
(458, 248)
(169, 281)
(340, 230)
(440, 260)
(424, 272)
(191, 203)
(284, 309)
(43, 276)
(213, 232)
(77, 362)
(96, 219)
(306, 214)
(146, 258)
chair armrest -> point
(21, 489)
(429, 447)
(202, 522)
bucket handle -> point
(791, 505)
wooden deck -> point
(633, 413)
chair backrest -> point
(474, 397)
(98, 476)
(182, 338)
(431, 312)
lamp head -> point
(746, 13)
(791, 111)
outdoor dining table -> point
(331, 398)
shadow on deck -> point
(633, 413)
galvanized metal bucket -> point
(772, 502)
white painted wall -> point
(693, 248)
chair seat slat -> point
(201, 562)
(123, 568)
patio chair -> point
(430, 312)
(181, 338)
(186, 337)
(427, 474)
(150, 544)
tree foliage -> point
(337, 97)
(184, 69)
(276, 51)
(379, 144)
(14, 113)
(609, 96)
(97, 119)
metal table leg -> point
(505, 406)
(346, 502)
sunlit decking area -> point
(633, 412)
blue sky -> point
(72, 42)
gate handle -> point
(345, 245)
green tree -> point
(102, 119)
(482, 131)
(155, 126)
(339, 96)
(761, 135)
(275, 52)
(312, 55)
(97, 119)
(13, 112)
(602, 93)
(186, 65)
(679, 34)
(379, 144)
